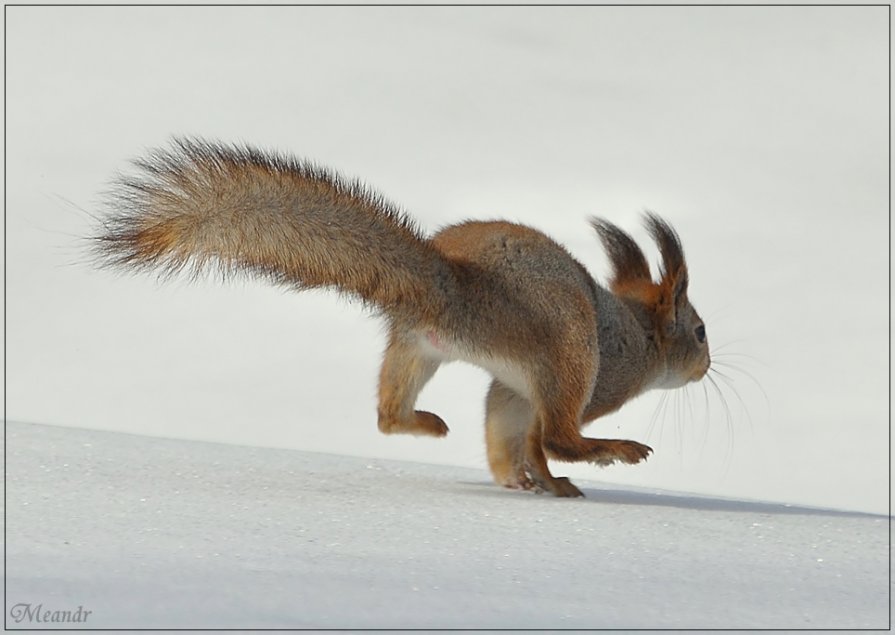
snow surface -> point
(161, 533)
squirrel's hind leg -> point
(405, 370)
(514, 439)
(536, 465)
(508, 418)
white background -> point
(759, 132)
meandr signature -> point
(37, 614)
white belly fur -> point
(444, 350)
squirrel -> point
(562, 349)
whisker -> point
(688, 401)
(682, 420)
(721, 347)
(728, 420)
(716, 315)
(678, 397)
(654, 418)
(716, 354)
(748, 376)
(730, 384)
(664, 415)
(708, 421)
(719, 373)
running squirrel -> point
(562, 349)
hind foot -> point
(518, 481)
(562, 487)
(559, 486)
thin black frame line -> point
(456, 5)
(5, 269)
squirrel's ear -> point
(666, 318)
(674, 266)
(679, 284)
(671, 298)
(674, 276)
(629, 265)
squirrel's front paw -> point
(608, 451)
(631, 451)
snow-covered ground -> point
(159, 533)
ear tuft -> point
(674, 266)
(629, 265)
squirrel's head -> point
(662, 306)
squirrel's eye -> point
(700, 333)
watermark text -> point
(38, 614)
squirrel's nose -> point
(702, 369)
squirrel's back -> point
(525, 295)
(522, 280)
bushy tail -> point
(200, 206)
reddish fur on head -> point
(662, 306)
(631, 276)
